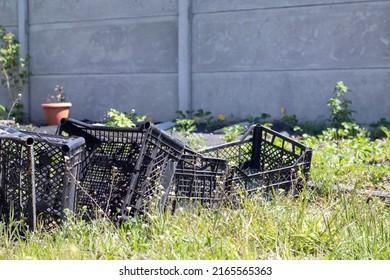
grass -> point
(358, 163)
(322, 223)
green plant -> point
(322, 223)
(200, 115)
(122, 119)
(348, 130)
(14, 70)
(185, 127)
(291, 120)
(3, 112)
(184, 115)
(196, 141)
(377, 128)
(17, 113)
(339, 106)
(313, 227)
(206, 117)
(232, 132)
(313, 127)
(386, 131)
(213, 124)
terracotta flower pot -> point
(54, 112)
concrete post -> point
(184, 55)
(23, 25)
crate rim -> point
(245, 139)
(140, 128)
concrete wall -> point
(247, 57)
(9, 13)
(107, 54)
(259, 56)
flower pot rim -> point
(57, 104)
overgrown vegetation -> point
(379, 128)
(185, 129)
(317, 225)
(323, 222)
(340, 125)
(14, 75)
(203, 121)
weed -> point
(339, 226)
(196, 142)
(15, 74)
(232, 132)
(122, 119)
(377, 128)
(291, 120)
(322, 223)
(386, 131)
(313, 127)
(184, 115)
(201, 116)
(345, 131)
(185, 127)
(16, 114)
(339, 106)
(213, 124)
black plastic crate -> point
(39, 173)
(264, 159)
(151, 186)
(126, 169)
(199, 179)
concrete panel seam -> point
(9, 26)
(103, 74)
(290, 70)
(104, 20)
(289, 7)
